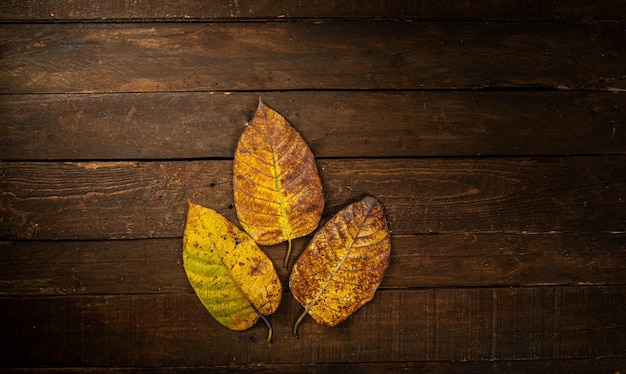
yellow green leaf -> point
(232, 277)
(277, 188)
(341, 268)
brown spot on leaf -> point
(256, 268)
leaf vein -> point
(255, 170)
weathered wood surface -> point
(335, 124)
(106, 200)
(557, 366)
(81, 10)
(174, 329)
(157, 57)
(498, 150)
(154, 266)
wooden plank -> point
(157, 57)
(335, 124)
(108, 200)
(555, 366)
(84, 10)
(116, 200)
(417, 261)
(405, 325)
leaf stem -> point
(269, 328)
(286, 265)
(295, 326)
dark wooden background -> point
(492, 132)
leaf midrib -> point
(311, 304)
(277, 186)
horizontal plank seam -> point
(509, 89)
(272, 366)
(395, 234)
(307, 237)
(530, 157)
(277, 19)
(286, 292)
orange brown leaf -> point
(341, 268)
(277, 188)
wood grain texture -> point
(335, 124)
(434, 324)
(84, 10)
(104, 200)
(154, 266)
(557, 366)
(138, 57)
(492, 133)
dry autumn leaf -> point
(341, 268)
(277, 188)
(232, 277)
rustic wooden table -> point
(493, 134)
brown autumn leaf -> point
(277, 188)
(341, 268)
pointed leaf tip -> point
(343, 265)
(276, 184)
